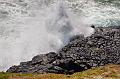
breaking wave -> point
(31, 27)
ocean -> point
(32, 27)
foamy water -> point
(31, 27)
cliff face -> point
(82, 53)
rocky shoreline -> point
(81, 53)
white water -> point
(32, 27)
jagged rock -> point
(101, 48)
(44, 58)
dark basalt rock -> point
(101, 48)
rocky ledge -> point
(82, 53)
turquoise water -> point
(116, 11)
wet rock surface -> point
(81, 53)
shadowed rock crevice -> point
(81, 53)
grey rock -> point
(81, 53)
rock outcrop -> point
(101, 48)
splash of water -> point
(31, 27)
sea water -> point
(32, 27)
